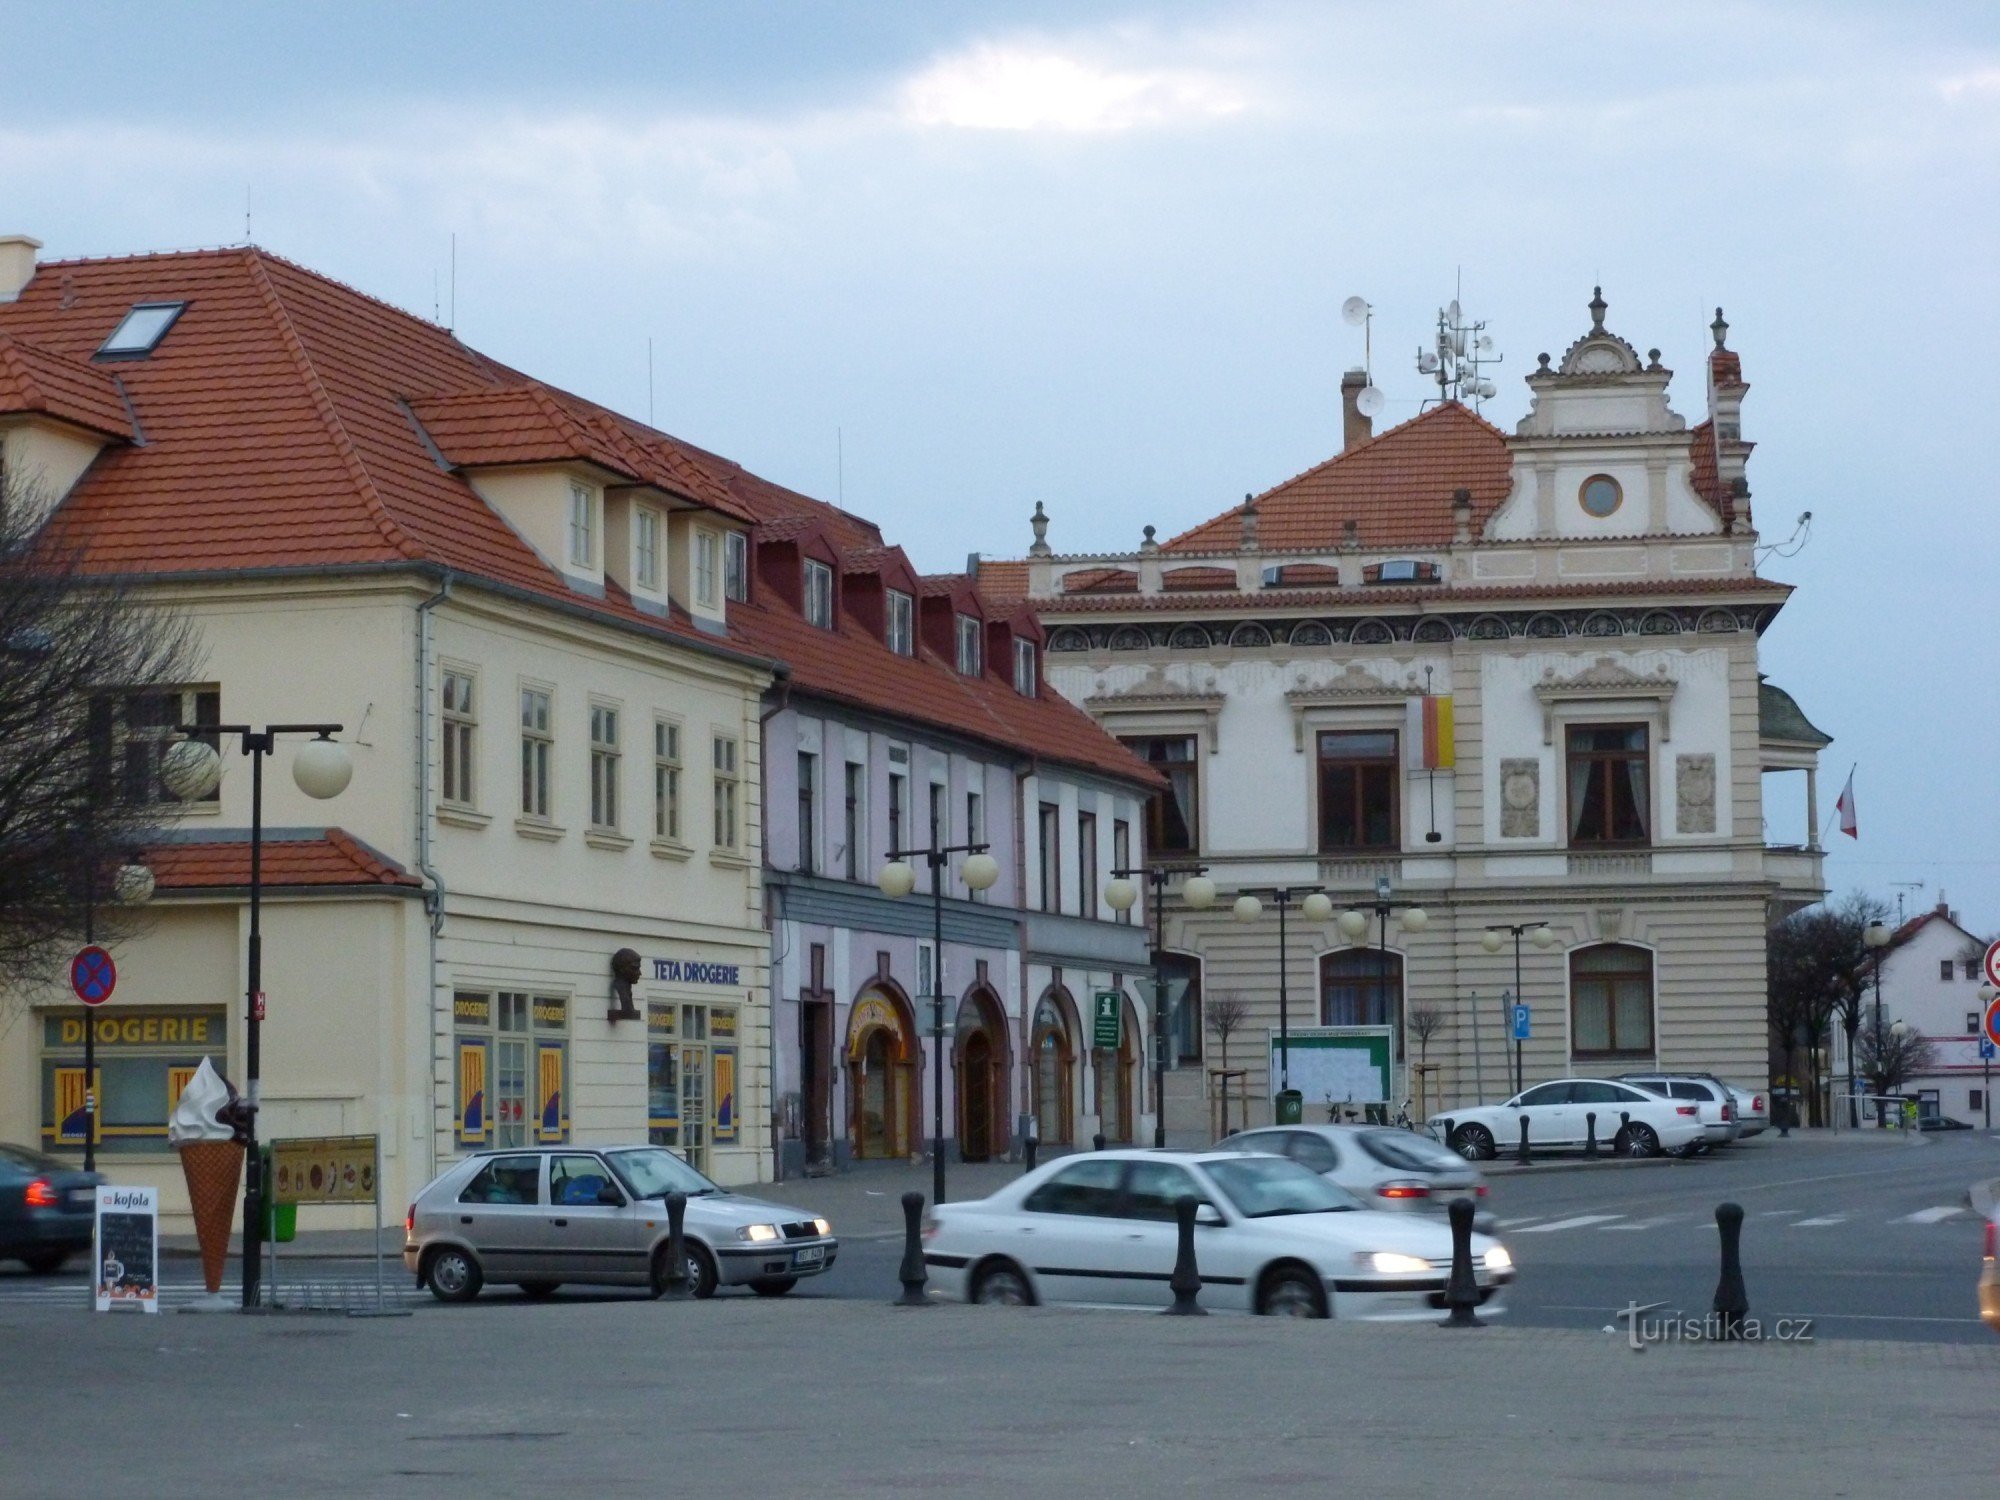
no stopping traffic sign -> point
(92, 975)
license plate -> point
(812, 1255)
(82, 1195)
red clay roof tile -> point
(334, 857)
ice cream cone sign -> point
(205, 1130)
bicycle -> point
(1403, 1119)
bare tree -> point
(75, 647)
(1225, 1015)
(1425, 1020)
(1888, 1058)
(1816, 972)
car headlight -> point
(1497, 1259)
(1389, 1263)
(822, 1227)
(757, 1234)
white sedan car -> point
(1630, 1120)
(1270, 1237)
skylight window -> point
(140, 331)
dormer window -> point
(582, 526)
(968, 646)
(819, 594)
(1400, 570)
(736, 566)
(646, 548)
(139, 332)
(1024, 668)
(900, 626)
(706, 564)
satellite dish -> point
(1427, 364)
(1451, 313)
(1355, 311)
(1370, 402)
(1485, 343)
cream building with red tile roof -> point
(1511, 679)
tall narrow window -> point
(1121, 856)
(666, 780)
(819, 594)
(851, 811)
(808, 812)
(725, 792)
(582, 526)
(736, 553)
(1361, 987)
(459, 728)
(1051, 840)
(940, 824)
(1024, 668)
(705, 581)
(1611, 1001)
(1608, 785)
(1173, 818)
(975, 827)
(646, 566)
(1357, 790)
(899, 791)
(968, 646)
(537, 748)
(1086, 863)
(900, 628)
(603, 766)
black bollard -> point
(1028, 1149)
(912, 1272)
(1522, 1156)
(1461, 1291)
(1624, 1129)
(1097, 1141)
(1590, 1133)
(1782, 1109)
(677, 1262)
(1446, 1141)
(1186, 1280)
(1732, 1299)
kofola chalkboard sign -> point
(126, 1250)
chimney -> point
(1249, 521)
(1355, 429)
(17, 264)
(1461, 515)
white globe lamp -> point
(322, 768)
(897, 878)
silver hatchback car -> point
(542, 1216)
(1384, 1167)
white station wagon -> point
(1270, 1237)
(1629, 1120)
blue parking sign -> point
(1520, 1023)
(1987, 1049)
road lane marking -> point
(1516, 1223)
(1641, 1224)
(1822, 1222)
(1579, 1222)
(1931, 1215)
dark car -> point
(1941, 1122)
(47, 1209)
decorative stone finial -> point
(1597, 309)
(1653, 359)
(1543, 361)
(1040, 522)
(1720, 329)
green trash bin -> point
(1291, 1106)
(281, 1220)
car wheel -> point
(1638, 1140)
(453, 1275)
(1291, 1293)
(702, 1277)
(1001, 1283)
(773, 1286)
(45, 1262)
(539, 1289)
(1473, 1142)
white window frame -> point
(1024, 668)
(899, 623)
(707, 580)
(583, 527)
(458, 749)
(819, 594)
(605, 758)
(736, 566)
(648, 532)
(537, 752)
(725, 759)
(970, 662)
(667, 780)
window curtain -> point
(1579, 792)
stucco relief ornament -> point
(1520, 799)
(1694, 786)
(625, 969)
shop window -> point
(1611, 1001)
(1358, 780)
(144, 1059)
(1609, 796)
(513, 1068)
(691, 1079)
(1173, 822)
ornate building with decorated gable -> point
(1509, 680)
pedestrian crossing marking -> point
(1820, 1223)
(1931, 1215)
(1579, 1222)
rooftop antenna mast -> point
(1459, 357)
(1359, 312)
(1903, 886)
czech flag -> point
(1429, 734)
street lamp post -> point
(193, 769)
(897, 879)
(133, 886)
(1492, 940)
(1199, 893)
(1875, 936)
(1987, 995)
(1316, 906)
(1353, 924)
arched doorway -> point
(1052, 1059)
(980, 1055)
(1117, 1073)
(881, 1076)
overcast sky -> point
(946, 260)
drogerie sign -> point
(693, 971)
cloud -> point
(997, 86)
